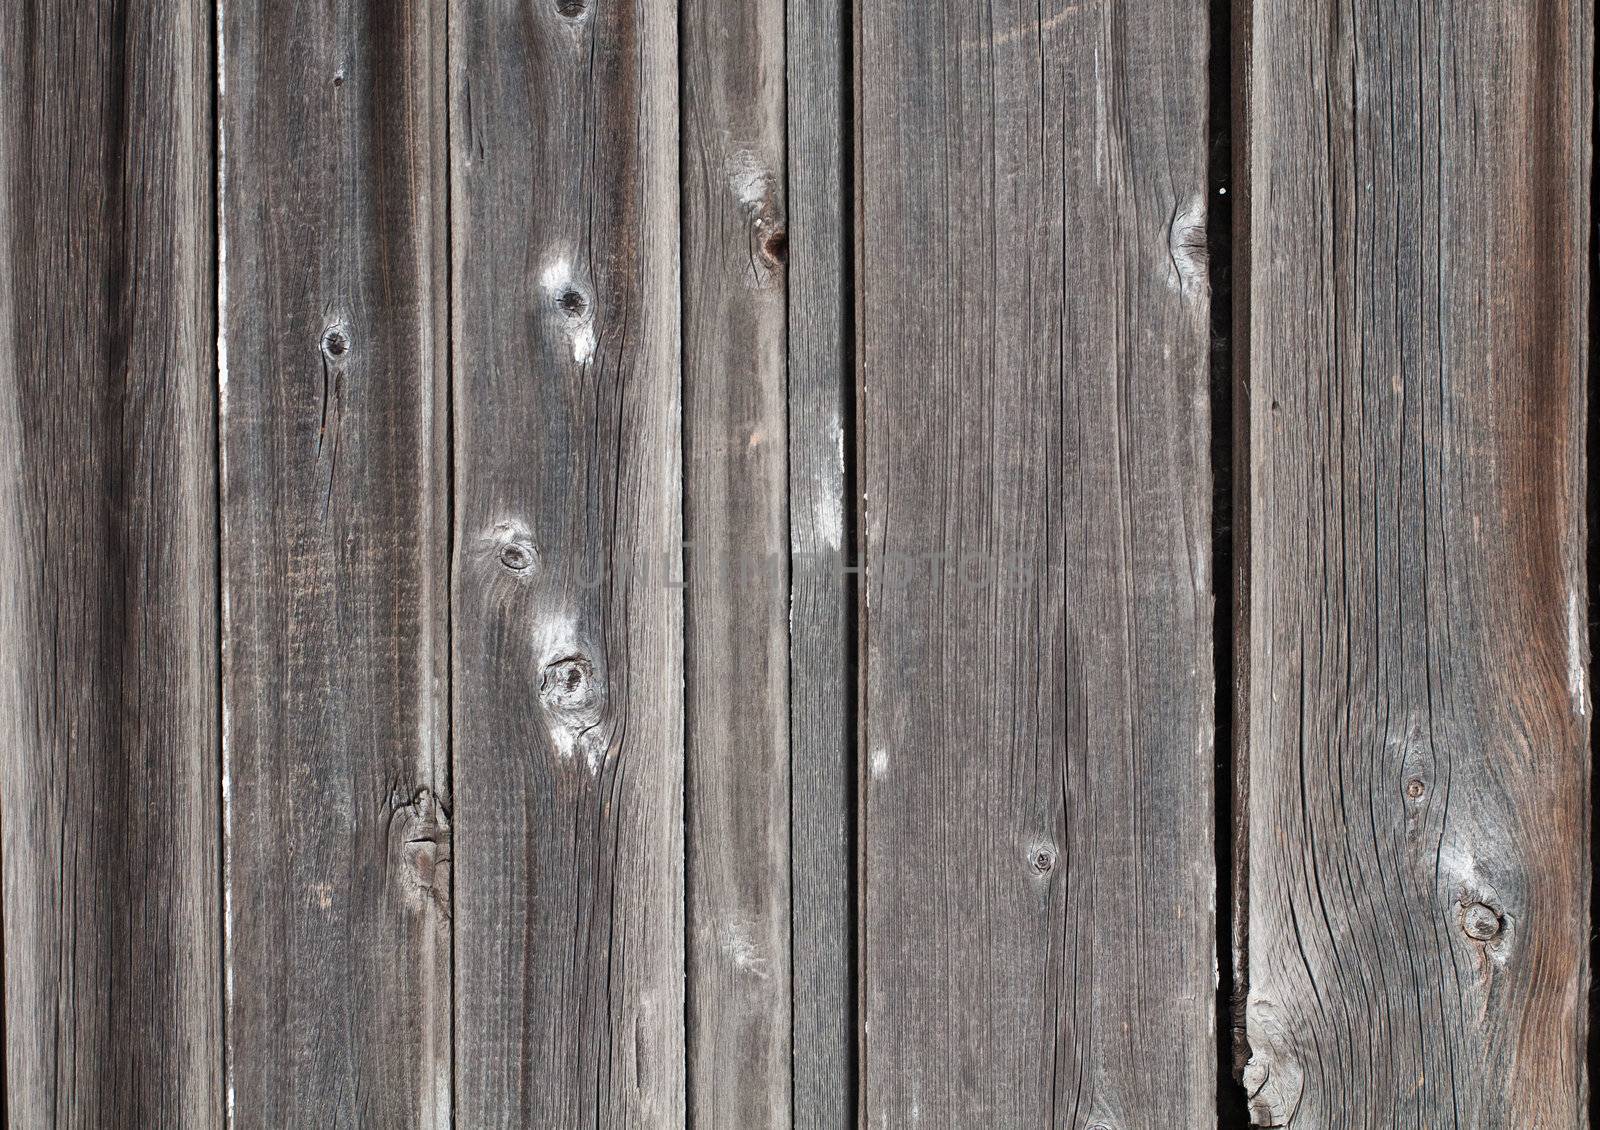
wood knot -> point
(573, 302)
(775, 248)
(335, 341)
(574, 698)
(516, 557)
(571, 9)
(1186, 245)
(758, 192)
(512, 545)
(1043, 860)
(1481, 922)
(568, 683)
(1415, 788)
(419, 848)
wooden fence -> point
(755, 564)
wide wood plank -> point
(1419, 701)
(736, 607)
(1038, 903)
(108, 701)
(821, 377)
(567, 611)
(334, 503)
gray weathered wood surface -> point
(821, 384)
(736, 605)
(365, 367)
(1418, 653)
(567, 619)
(108, 677)
(1037, 868)
(334, 504)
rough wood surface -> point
(567, 642)
(736, 607)
(1419, 766)
(1037, 825)
(108, 701)
(334, 499)
(821, 647)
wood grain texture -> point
(334, 504)
(1038, 902)
(736, 606)
(821, 379)
(1419, 768)
(567, 605)
(108, 701)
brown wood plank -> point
(736, 607)
(1419, 767)
(821, 622)
(1038, 903)
(567, 639)
(334, 552)
(108, 700)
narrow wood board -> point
(334, 504)
(567, 606)
(821, 537)
(108, 680)
(1419, 701)
(1038, 871)
(736, 606)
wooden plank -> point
(108, 701)
(334, 512)
(567, 642)
(1419, 767)
(822, 735)
(736, 606)
(1038, 904)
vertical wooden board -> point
(567, 611)
(108, 701)
(1039, 885)
(736, 606)
(1419, 772)
(821, 380)
(334, 512)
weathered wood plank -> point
(821, 621)
(335, 539)
(1418, 770)
(736, 607)
(108, 700)
(567, 641)
(1038, 923)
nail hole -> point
(1480, 922)
(338, 79)
(336, 341)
